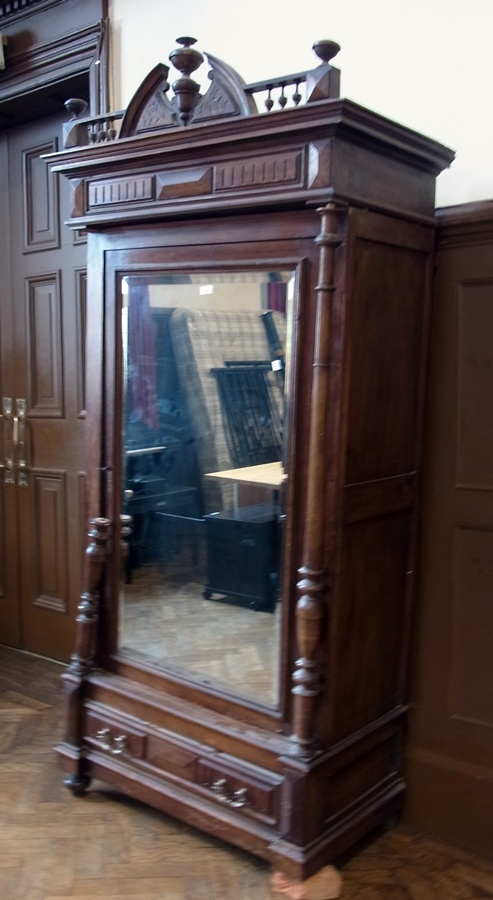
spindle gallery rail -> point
(228, 95)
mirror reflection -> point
(204, 368)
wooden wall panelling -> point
(450, 747)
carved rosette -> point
(88, 608)
(312, 586)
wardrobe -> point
(259, 267)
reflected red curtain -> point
(276, 296)
(142, 394)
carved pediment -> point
(226, 96)
(151, 109)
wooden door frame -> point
(54, 49)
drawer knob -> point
(116, 745)
(236, 800)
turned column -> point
(312, 586)
(88, 608)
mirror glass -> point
(204, 476)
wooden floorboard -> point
(54, 846)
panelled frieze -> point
(318, 164)
(293, 170)
(279, 169)
(184, 183)
(121, 190)
(77, 197)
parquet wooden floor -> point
(54, 846)
(165, 619)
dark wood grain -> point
(345, 198)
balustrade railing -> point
(274, 93)
(268, 96)
(82, 130)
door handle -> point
(20, 434)
(8, 441)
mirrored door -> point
(204, 360)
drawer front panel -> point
(114, 735)
(176, 757)
(237, 788)
(230, 782)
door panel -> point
(47, 317)
(41, 214)
(44, 345)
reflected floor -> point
(167, 621)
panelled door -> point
(42, 324)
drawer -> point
(115, 735)
(229, 781)
(236, 785)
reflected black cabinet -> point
(247, 672)
(242, 553)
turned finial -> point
(186, 90)
(75, 133)
(326, 50)
(186, 60)
(75, 106)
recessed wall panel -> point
(81, 483)
(81, 302)
(45, 364)
(2, 543)
(40, 190)
(50, 536)
(475, 385)
(471, 683)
